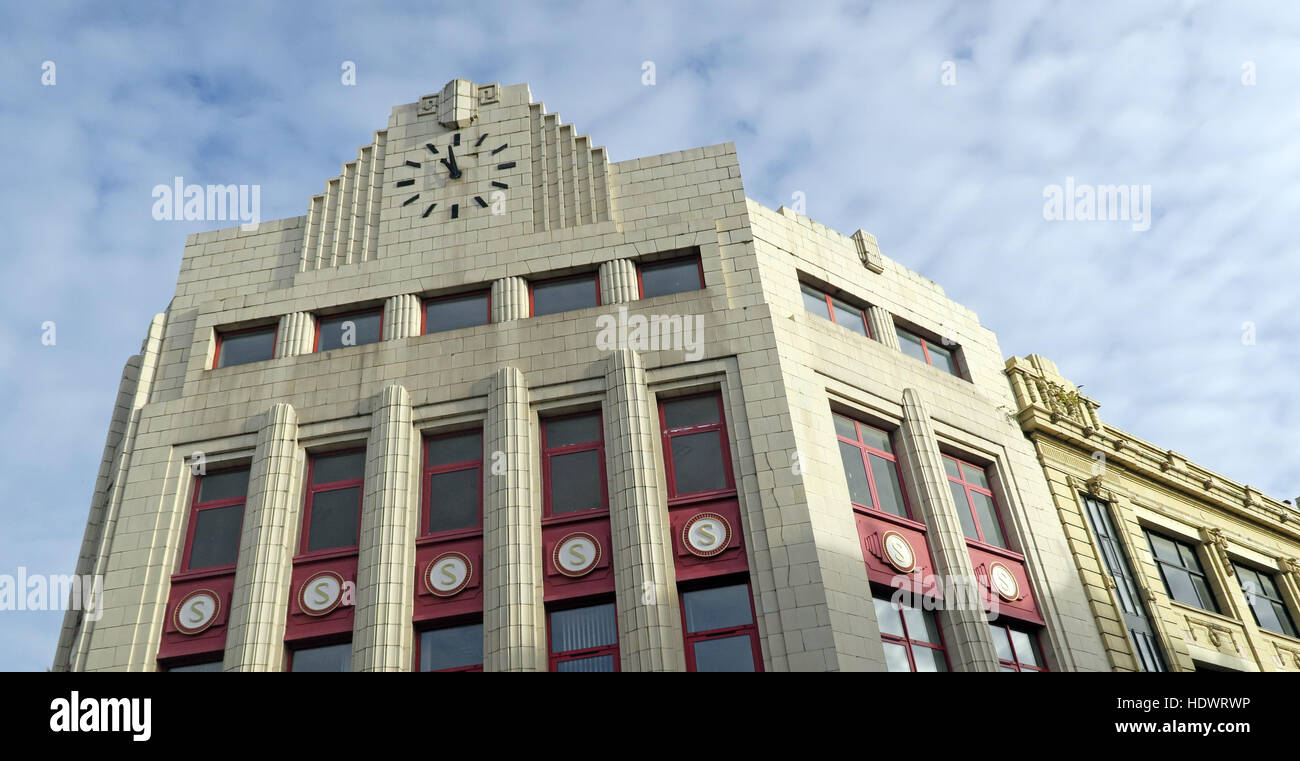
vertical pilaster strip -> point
(382, 633)
(618, 282)
(514, 628)
(401, 316)
(509, 299)
(881, 323)
(968, 635)
(650, 627)
(296, 334)
(259, 604)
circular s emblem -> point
(706, 534)
(576, 554)
(1004, 582)
(196, 611)
(321, 593)
(447, 574)
(898, 551)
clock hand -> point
(453, 167)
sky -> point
(937, 126)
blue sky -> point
(842, 102)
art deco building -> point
(1184, 569)
(499, 403)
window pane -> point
(450, 648)
(697, 462)
(1203, 594)
(233, 484)
(447, 450)
(600, 663)
(921, 626)
(334, 517)
(734, 654)
(855, 472)
(874, 437)
(896, 657)
(974, 474)
(929, 660)
(246, 347)
(911, 345)
(988, 517)
(717, 608)
(850, 317)
(844, 427)
(456, 312)
(1164, 549)
(575, 482)
(1180, 584)
(563, 295)
(815, 302)
(888, 618)
(943, 359)
(888, 489)
(338, 467)
(1281, 618)
(1026, 648)
(963, 510)
(453, 500)
(700, 410)
(349, 330)
(1188, 556)
(583, 628)
(216, 536)
(583, 429)
(208, 666)
(950, 467)
(327, 658)
(670, 277)
(1001, 642)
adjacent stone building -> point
(1184, 569)
(498, 403)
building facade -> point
(498, 403)
(1184, 569)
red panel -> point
(302, 625)
(175, 643)
(873, 525)
(468, 600)
(730, 560)
(983, 557)
(599, 580)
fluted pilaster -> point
(296, 334)
(618, 283)
(881, 324)
(401, 316)
(509, 299)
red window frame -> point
(830, 307)
(196, 507)
(449, 623)
(222, 335)
(668, 434)
(427, 472)
(751, 629)
(593, 276)
(315, 345)
(448, 297)
(313, 489)
(867, 450)
(554, 659)
(925, 349)
(640, 286)
(1015, 664)
(970, 503)
(549, 452)
(906, 640)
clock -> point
(453, 174)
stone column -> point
(514, 626)
(296, 334)
(650, 626)
(618, 283)
(401, 316)
(510, 299)
(967, 631)
(881, 323)
(260, 602)
(382, 631)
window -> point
(337, 657)
(453, 482)
(928, 351)
(870, 467)
(332, 517)
(216, 517)
(1017, 650)
(1265, 600)
(452, 648)
(354, 329)
(911, 637)
(573, 464)
(564, 294)
(975, 506)
(673, 276)
(202, 666)
(720, 630)
(697, 458)
(1126, 586)
(835, 310)
(459, 311)
(584, 639)
(239, 347)
(1181, 571)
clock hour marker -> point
(426, 211)
(499, 185)
(431, 147)
(410, 200)
(405, 183)
(455, 139)
(499, 148)
(415, 164)
(481, 202)
(507, 165)
(455, 210)
(481, 138)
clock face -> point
(452, 176)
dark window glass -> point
(326, 658)
(912, 345)
(338, 467)
(575, 481)
(849, 316)
(208, 666)
(455, 647)
(974, 502)
(563, 432)
(242, 348)
(845, 427)
(1181, 571)
(960, 499)
(349, 330)
(940, 356)
(717, 608)
(1265, 601)
(988, 518)
(453, 499)
(855, 471)
(449, 450)
(599, 663)
(698, 410)
(1017, 650)
(670, 277)
(334, 516)
(1126, 587)
(888, 488)
(731, 654)
(697, 463)
(564, 295)
(943, 359)
(216, 536)
(456, 312)
(232, 484)
(583, 628)
(910, 637)
(815, 302)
